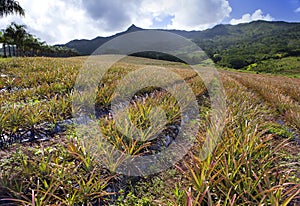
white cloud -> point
(297, 10)
(257, 15)
(55, 21)
(189, 15)
(59, 21)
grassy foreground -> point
(256, 161)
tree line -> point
(17, 41)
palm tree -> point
(3, 41)
(10, 7)
(40, 47)
(33, 45)
(9, 40)
(17, 34)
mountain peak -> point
(133, 28)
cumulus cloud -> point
(257, 15)
(190, 15)
(111, 15)
(297, 10)
(59, 21)
(55, 21)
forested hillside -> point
(241, 45)
(234, 46)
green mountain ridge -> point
(234, 46)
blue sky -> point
(280, 10)
(272, 10)
(60, 21)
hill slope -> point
(87, 47)
(234, 46)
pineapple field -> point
(44, 160)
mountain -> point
(234, 46)
(87, 47)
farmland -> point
(44, 161)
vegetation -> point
(17, 41)
(288, 66)
(10, 7)
(255, 163)
(233, 46)
(245, 44)
(45, 159)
